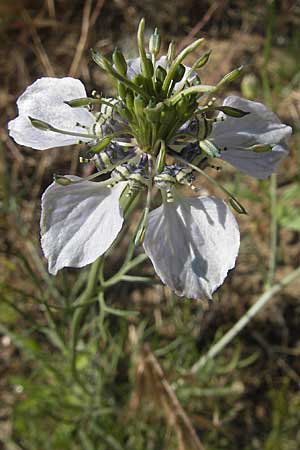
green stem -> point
(124, 269)
(273, 229)
(178, 60)
(273, 181)
(238, 327)
(233, 200)
(80, 313)
(201, 89)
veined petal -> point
(192, 244)
(257, 164)
(44, 100)
(261, 126)
(79, 222)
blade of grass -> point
(245, 319)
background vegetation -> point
(139, 384)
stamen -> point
(217, 168)
(218, 119)
(78, 124)
(44, 126)
(65, 181)
(232, 200)
(140, 233)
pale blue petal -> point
(192, 244)
(261, 126)
(44, 100)
(257, 164)
(79, 222)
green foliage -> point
(288, 208)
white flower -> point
(45, 100)
(155, 133)
(192, 242)
(260, 126)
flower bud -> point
(121, 90)
(182, 104)
(154, 43)
(258, 148)
(101, 145)
(202, 61)
(179, 73)
(160, 74)
(119, 62)
(230, 76)
(125, 113)
(139, 105)
(233, 112)
(129, 99)
(61, 180)
(171, 52)
(237, 206)
(40, 124)
(147, 67)
(154, 112)
(146, 64)
(138, 80)
(84, 101)
(101, 61)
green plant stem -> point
(80, 313)
(238, 327)
(273, 181)
(124, 269)
(273, 229)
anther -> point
(84, 160)
(170, 197)
(212, 101)
(95, 94)
(78, 124)
(217, 168)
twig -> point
(176, 415)
(206, 18)
(38, 46)
(83, 38)
(97, 10)
(51, 9)
(237, 328)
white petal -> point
(44, 100)
(257, 164)
(79, 222)
(261, 126)
(133, 67)
(192, 244)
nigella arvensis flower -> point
(161, 130)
